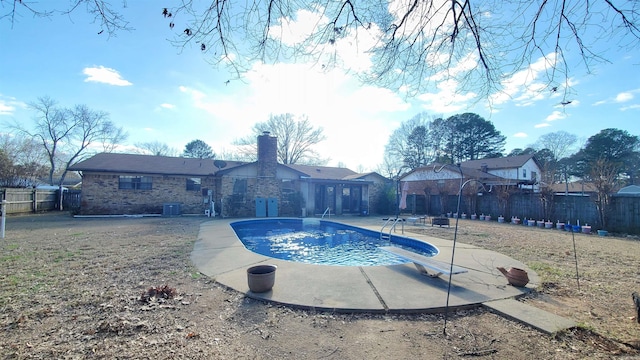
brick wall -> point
(100, 195)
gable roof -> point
(149, 164)
(323, 172)
(508, 162)
(467, 172)
(573, 187)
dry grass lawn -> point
(125, 288)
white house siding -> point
(420, 175)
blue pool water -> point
(323, 242)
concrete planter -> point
(261, 278)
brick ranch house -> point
(145, 184)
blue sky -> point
(159, 93)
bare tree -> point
(406, 148)
(67, 134)
(413, 45)
(111, 136)
(604, 176)
(157, 148)
(560, 143)
(26, 158)
(296, 139)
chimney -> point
(267, 155)
(484, 168)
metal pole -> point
(4, 217)
(453, 250)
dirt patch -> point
(125, 288)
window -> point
(240, 186)
(134, 183)
(239, 189)
(524, 173)
(193, 184)
(288, 186)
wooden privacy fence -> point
(623, 214)
(29, 200)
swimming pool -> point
(322, 242)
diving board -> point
(422, 262)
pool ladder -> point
(391, 222)
(328, 211)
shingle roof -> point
(467, 172)
(573, 187)
(499, 163)
(149, 164)
(323, 172)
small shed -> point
(630, 190)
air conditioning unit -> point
(171, 209)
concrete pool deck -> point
(219, 254)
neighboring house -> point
(576, 188)
(520, 172)
(134, 184)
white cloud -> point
(541, 125)
(334, 99)
(623, 97)
(294, 31)
(630, 107)
(8, 105)
(104, 75)
(523, 86)
(447, 99)
(6, 109)
(556, 115)
(520, 135)
(167, 106)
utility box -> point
(261, 207)
(272, 207)
(171, 209)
